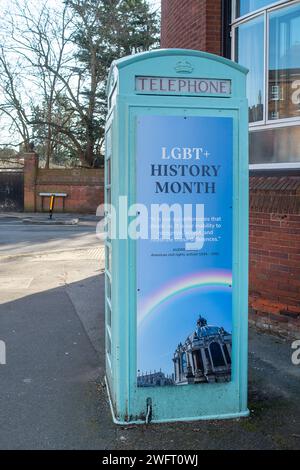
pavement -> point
(52, 387)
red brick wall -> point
(191, 24)
(84, 187)
(275, 254)
(274, 275)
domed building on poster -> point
(205, 356)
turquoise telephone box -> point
(176, 218)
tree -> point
(105, 31)
(11, 105)
(33, 55)
(39, 40)
(66, 54)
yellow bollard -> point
(52, 199)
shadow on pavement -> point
(53, 397)
(50, 384)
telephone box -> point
(176, 221)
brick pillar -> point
(192, 24)
(31, 163)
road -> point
(52, 390)
(18, 238)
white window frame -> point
(266, 123)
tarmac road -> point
(19, 238)
(52, 392)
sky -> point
(5, 3)
(155, 3)
(5, 134)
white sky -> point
(155, 3)
(5, 3)
(5, 136)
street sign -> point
(176, 192)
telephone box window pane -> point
(107, 229)
(280, 145)
(243, 7)
(249, 47)
(108, 258)
(108, 171)
(108, 143)
(108, 345)
(108, 288)
(108, 314)
(108, 196)
(284, 63)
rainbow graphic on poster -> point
(211, 281)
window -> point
(284, 62)
(199, 361)
(108, 344)
(249, 52)
(207, 356)
(243, 7)
(267, 41)
(108, 287)
(108, 154)
(216, 354)
(108, 171)
(276, 146)
(183, 363)
(108, 314)
(108, 253)
(275, 93)
(226, 354)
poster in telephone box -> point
(184, 177)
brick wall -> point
(191, 24)
(84, 187)
(275, 254)
(274, 287)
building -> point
(204, 357)
(264, 36)
(154, 379)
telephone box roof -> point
(128, 60)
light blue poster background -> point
(168, 303)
